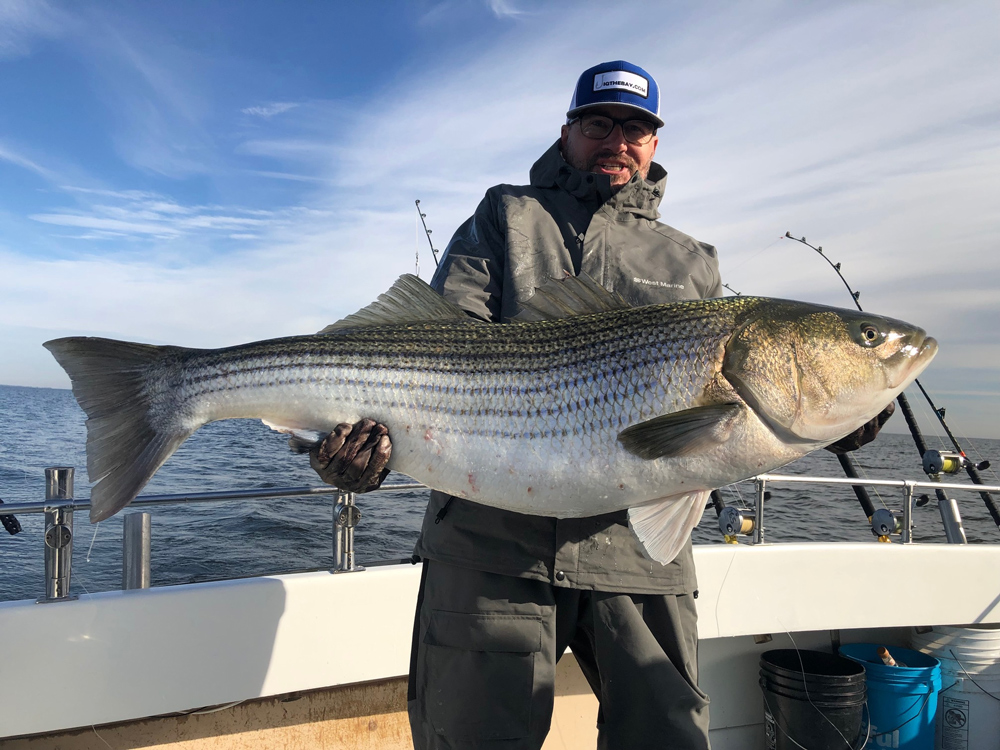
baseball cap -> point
(617, 82)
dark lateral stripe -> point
(558, 380)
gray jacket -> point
(565, 221)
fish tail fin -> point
(131, 428)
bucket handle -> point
(923, 705)
(791, 739)
(969, 676)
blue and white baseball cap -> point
(617, 82)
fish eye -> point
(870, 335)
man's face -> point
(613, 156)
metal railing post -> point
(58, 535)
(136, 544)
(345, 517)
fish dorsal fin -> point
(663, 525)
(409, 300)
(569, 296)
(680, 433)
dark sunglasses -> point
(599, 127)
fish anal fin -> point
(680, 433)
(566, 297)
(663, 526)
(409, 300)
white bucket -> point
(968, 715)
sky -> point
(210, 173)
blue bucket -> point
(902, 700)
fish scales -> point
(458, 395)
(554, 363)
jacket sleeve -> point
(713, 288)
(471, 271)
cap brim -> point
(646, 114)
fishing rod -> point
(427, 232)
(934, 462)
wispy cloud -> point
(9, 155)
(23, 21)
(290, 176)
(505, 9)
(269, 110)
(137, 214)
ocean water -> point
(44, 427)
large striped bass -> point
(645, 408)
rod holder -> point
(58, 535)
(951, 519)
(346, 516)
(136, 545)
(906, 532)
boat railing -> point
(59, 505)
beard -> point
(628, 161)
(590, 165)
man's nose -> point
(615, 140)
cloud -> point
(161, 110)
(22, 21)
(8, 155)
(288, 176)
(269, 110)
(128, 216)
(505, 9)
(92, 222)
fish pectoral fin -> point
(409, 300)
(680, 433)
(301, 439)
(664, 525)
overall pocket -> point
(480, 673)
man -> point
(503, 594)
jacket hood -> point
(638, 196)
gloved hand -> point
(864, 434)
(353, 457)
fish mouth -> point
(919, 356)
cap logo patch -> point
(621, 79)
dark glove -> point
(864, 434)
(353, 457)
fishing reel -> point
(734, 522)
(884, 522)
(10, 522)
(948, 462)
